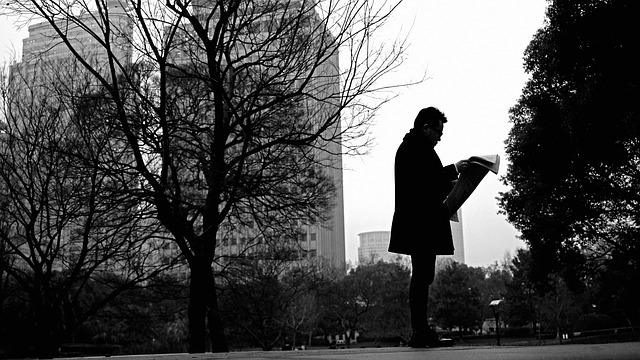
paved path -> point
(614, 351)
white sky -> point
(471, 52)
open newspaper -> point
(478, 167)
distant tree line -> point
(270, 305)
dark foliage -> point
(575, 150)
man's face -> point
(433, 133)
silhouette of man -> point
(420, 226)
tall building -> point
(373, 245)
(325, 239)
(46, 65)
(373, 248)
(45, 45)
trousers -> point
(423, 269)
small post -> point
(496, 314)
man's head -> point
(430, 121)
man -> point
(420, 225)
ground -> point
(614, 351)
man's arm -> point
(461, 166)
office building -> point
(324, 240)
(373, 248)
(45, 45)
(43, 49)
(373, 245)
(47, 84)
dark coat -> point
(421, 221)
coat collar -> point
(418, 138)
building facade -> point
(373, 246)
(43, 47)
(325, 239)
(46, 65)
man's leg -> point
(422, 275)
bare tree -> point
(303, 316)
(270, 294)
(6, 257)
(66, 226)
(232, 110)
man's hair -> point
(429, 116)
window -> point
(313, 236)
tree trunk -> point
(216, 327)
(203, 310)
(198, 289)
(48, 332)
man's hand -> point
(461, 166)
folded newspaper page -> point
(478, 167)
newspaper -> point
(478, 167)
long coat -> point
(420, 220)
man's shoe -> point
(444, 342)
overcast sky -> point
(471, 52)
